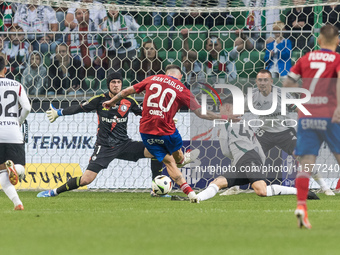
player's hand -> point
(193, 197)
(336, 115)
(107, 104)
(52, 113)
(175, 120)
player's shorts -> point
(14, 152)
(159, 146)
(248, 170)
(285, 140)
(103, 155)
(313, 131)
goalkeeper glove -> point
(53, 113)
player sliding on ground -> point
(165, 95)
(320, 73)
(112, 139)
(272, 134)
(239, 144)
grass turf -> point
(134, 223)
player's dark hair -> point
(265, 71)
(329, 32)
(113, 76)
(2, 63)
(228, 100)
(169, 67)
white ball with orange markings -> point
(161, 185)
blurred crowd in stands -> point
(59, 51)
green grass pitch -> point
(99, 223)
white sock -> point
(275, 190)
(209, 192)
(9, 189)
(318, 178)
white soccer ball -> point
(20, 171)
(161, 185)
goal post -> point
(57, 151)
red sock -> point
(186, 188)
(302, 186)
(338, 185)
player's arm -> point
(123, 94)
(54, 113)
(290, 82)
(25, 105)
(213, 116)
(336, 114)
(196, 108)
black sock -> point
(156, 167)
(73, 183)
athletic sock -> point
(302, 186)
(71, 184)
(156, 167)
(9, 189)
(186, 188)
(275, 190)
(318, 178)
(209, 192)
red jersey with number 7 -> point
(319, 71)
(164, 96)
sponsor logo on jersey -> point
(153, 141)
(156, 112)
(114, 120)
(123, 108)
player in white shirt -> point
(14, 108)
(238, 142)
(273, 134)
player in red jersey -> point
(320, 71)
(165, 95)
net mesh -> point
(64, 54)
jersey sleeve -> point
(88, 106)
(92, 104)
(338, 65)
(295, 71)
(24, 103)
(139, 87)
(193, 104)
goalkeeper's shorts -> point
(103, 155)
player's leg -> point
(217, 184)
(15, 153)
(260, 188)
(286, 141)
(183, 159)
(100, 159)
(178, 178)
